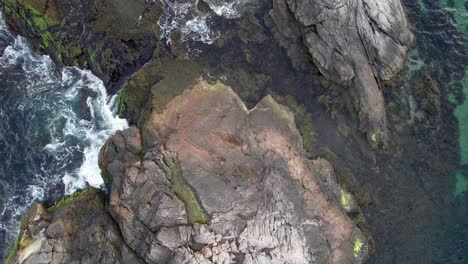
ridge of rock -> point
(207, 181)
(356, 43)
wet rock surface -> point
(111, 38)
(209, 181)
(356, 43)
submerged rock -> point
(356, 43)
(209, 181)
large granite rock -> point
(209, 181)
(356, 43)
(77, 230)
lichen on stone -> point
(357, 247)
(346, 200)
(193, 209)
(217, 86)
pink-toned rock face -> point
(218, 183)
(206, 181)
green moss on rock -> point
(193, 209)
(152, 87)
(69, 199)
(92, 36)
(13, 251)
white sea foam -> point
(227, 9)
(94, 132)
(40, 73)
(197, 29)
(36, 191)
(194, 25)
(77, 131)
(174, 16)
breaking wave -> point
(195, 24)
(52, 126)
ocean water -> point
(196, 24)
(413, 195)
(459, 11)
(52, 125)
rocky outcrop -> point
(208, 180)
(112, 38)
(204, 181)
(77, 230)
(356, 43)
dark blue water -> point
(52, 125)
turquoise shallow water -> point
(441, 53)
(459, 10)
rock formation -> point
(76, 230)
(112, 38)
(356, 43)
(205, 181)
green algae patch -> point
(68, 199)
(357, 247)
(121, 104)
(13, 250)
(40, 23)
(302, 118)
(44, 15)
(217, 86)
(193, 209)
(346, 200)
